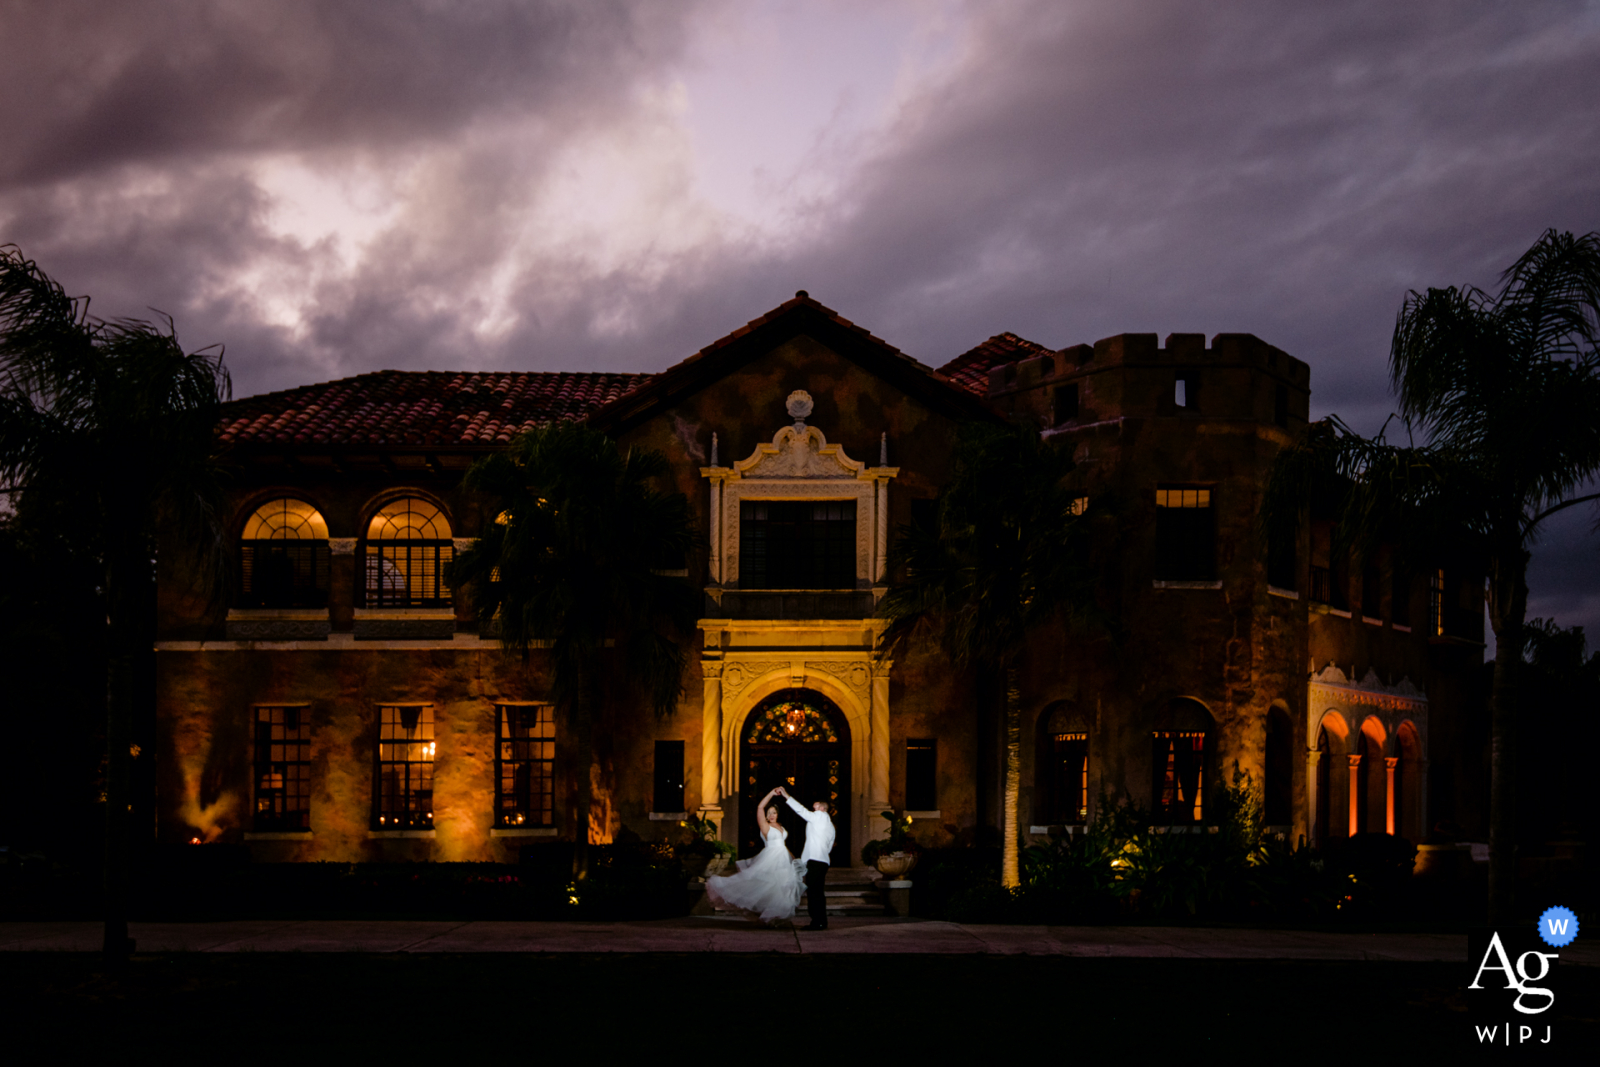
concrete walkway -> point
(894, 936)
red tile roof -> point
(437, 408)
(970, 370)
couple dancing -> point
(769, 885)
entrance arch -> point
(799, 739)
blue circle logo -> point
(1558, 926)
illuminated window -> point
(404, 796)
(922, 774)
(283, 557)
(407, 549)
(1177, 760)
(668, 792)
(1185, 535)
(525, 765)
(797, 544)
(1070, 756)
(283, 769)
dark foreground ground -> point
(293, 1009)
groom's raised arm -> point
(797, 807)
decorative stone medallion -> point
(799, 405)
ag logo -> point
(1513, 980)
(1531, 966)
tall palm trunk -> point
(1508, 606)
(1009, 873)
(116, 945)
(583, 743)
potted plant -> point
(703, 855)
(895, 855)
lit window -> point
(668, 792)
(407, 549)
(922, 767)
(283, 769)
(1185, 535)
(405, 753)
(1080, 504)
(1177, 776)
(525, 765)
(283, 557)
(1070, 755)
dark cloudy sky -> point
(329, 188)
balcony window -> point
(797, 544)
(1070, 775)
(407, 548)
(1177, 761)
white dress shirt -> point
(819, 832)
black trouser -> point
(817, 892)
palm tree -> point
(1504, 390)
(107, 435)
(1006, 556)
(579, 558)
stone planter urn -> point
(896, 865)
(718, 864)
(694, 865)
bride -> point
(768, 885)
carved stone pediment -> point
(799, 451)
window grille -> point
(797, 544)
(525, 765)
(1071, 754)
(283, 769)
(283, 557)
(408, 547)
(922, 768)
(404, 768)
(668, 793)
(1321, 585)
(1185, 535)
(1178, 771)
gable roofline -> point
(793, 318)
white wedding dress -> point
(769, 884)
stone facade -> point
(803, 406)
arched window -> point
(283, 557)
(1178, 761)
(1278, 788)
(407, 549)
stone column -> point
(715, 530)
(880, 568)
(1389, 764)
(342, 584)
(1355, 794)
(878, 751)
(1313, 757)
(711, 739)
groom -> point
(819, 843)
